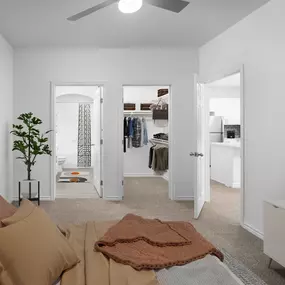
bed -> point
(131, 251)
(95, 268)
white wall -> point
(224, 91)
(258, 42)
(35, 68)
(88, 91)
(67, 132)
(6, 118)
(224, 101)
(136, 159)
(229, 108)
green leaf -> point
(31, 142)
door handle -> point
(196, 154)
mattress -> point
(207, 271)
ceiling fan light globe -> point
(130, 6)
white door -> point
(97, 117)
(199, 154)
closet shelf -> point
(158, 141)
(138, 113)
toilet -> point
(60, 162)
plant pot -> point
(28, 186)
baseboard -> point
(236, 185)
(184, 198)
(253, 231)
(43, 198)
(130, 175)
(82, 196)
(113, 198)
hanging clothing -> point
(160, 158)
(137, 126)
(151, 150)
(130, 145)
(144, 132)
(126, 131)
(125, 134)
(130, 127)
(130, 132)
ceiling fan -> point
(131, 6)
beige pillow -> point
(6, 209)
(21, 213)
(32, 250)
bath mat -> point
(72, 180)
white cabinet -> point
(274, 230)
(226, 164)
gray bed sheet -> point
(207, 271)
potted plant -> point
(30, 142)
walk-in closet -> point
(145, 137)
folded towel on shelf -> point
(161, 136)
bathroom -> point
(78, 141)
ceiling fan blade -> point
(91, 10)
(170, 5)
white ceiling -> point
(26, 23)
(229, 81)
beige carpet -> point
(148, 197)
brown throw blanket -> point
(153, 244)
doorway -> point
(220, 144)
(146, 149)
(77, 140)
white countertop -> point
(227, 144)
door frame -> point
(215, 77)
(53, 85)
(171, 193)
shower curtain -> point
(84, 136)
